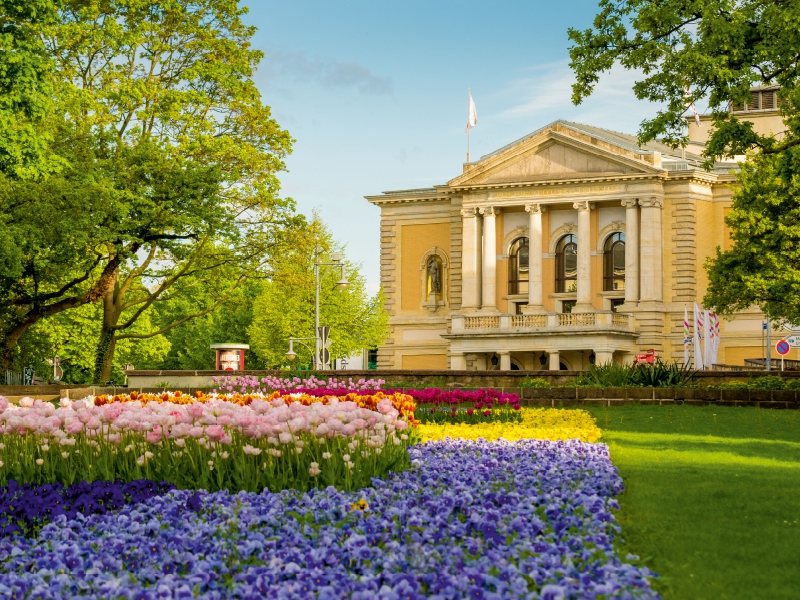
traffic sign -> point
(794, 341)
(782, 347)
(792, 328)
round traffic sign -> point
(782, 347)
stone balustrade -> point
(548, 323)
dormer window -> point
(762, 100)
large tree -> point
(161, 96)
(714, 51)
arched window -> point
(518, 267)
(566, 263)
(614, 263)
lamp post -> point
(291, 355)
(336, 261)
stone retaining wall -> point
(444, 379)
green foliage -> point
(657, 374)
(608, 375)
(716, 49)
(533, 382)
(767, 382)
(763, 265)
(190, 342)
(285, 305)
(25, 88)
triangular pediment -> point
(557, 152)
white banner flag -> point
(698, 336)
(472, 113)
(687, 337)
(714, 333)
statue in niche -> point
(434, 276)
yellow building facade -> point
(570, 246)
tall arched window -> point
(518, 274)
(566, 263)
(614, 262)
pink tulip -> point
(215, 433)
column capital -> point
(583, 205)
(468, 212)
(652, 201)
(535, 208)
(630, 202)
(489, 211)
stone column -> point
(555, 361)
(505, 361)
(631, 252)
(601, 357)
(469, 260)
(458, 361)
(489, 274)
(584, 296)
(534, 259)
(651, 270)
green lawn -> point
(712, 499)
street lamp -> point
(341, 285)
(336, 261)
(291, 354)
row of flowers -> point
(249, 384)
(404, 403)
(536, 423)
(529, 519)
(212, 445)
(24, 509)
(430, 405)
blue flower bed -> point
(25, 508)
(524, 519)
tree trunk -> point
(106, 345)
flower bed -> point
(211, 445)
(404, 403)
(472, 519)
(435, 405)
(26, 508)
(536, 423)
(245, 384)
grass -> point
(712, 500)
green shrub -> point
(663, 374)
(792, 384)
(535, 382)
(608, 375)
(730, 385)
(769, 382)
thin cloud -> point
(299, 66)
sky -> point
(375, 95)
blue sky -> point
(375, 94)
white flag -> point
(472, 117)
(687, 338)
(698, 335)
(715, 336)
(708, 360)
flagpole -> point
(468, 116)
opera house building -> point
(570, 246)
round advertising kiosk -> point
(230, 357)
